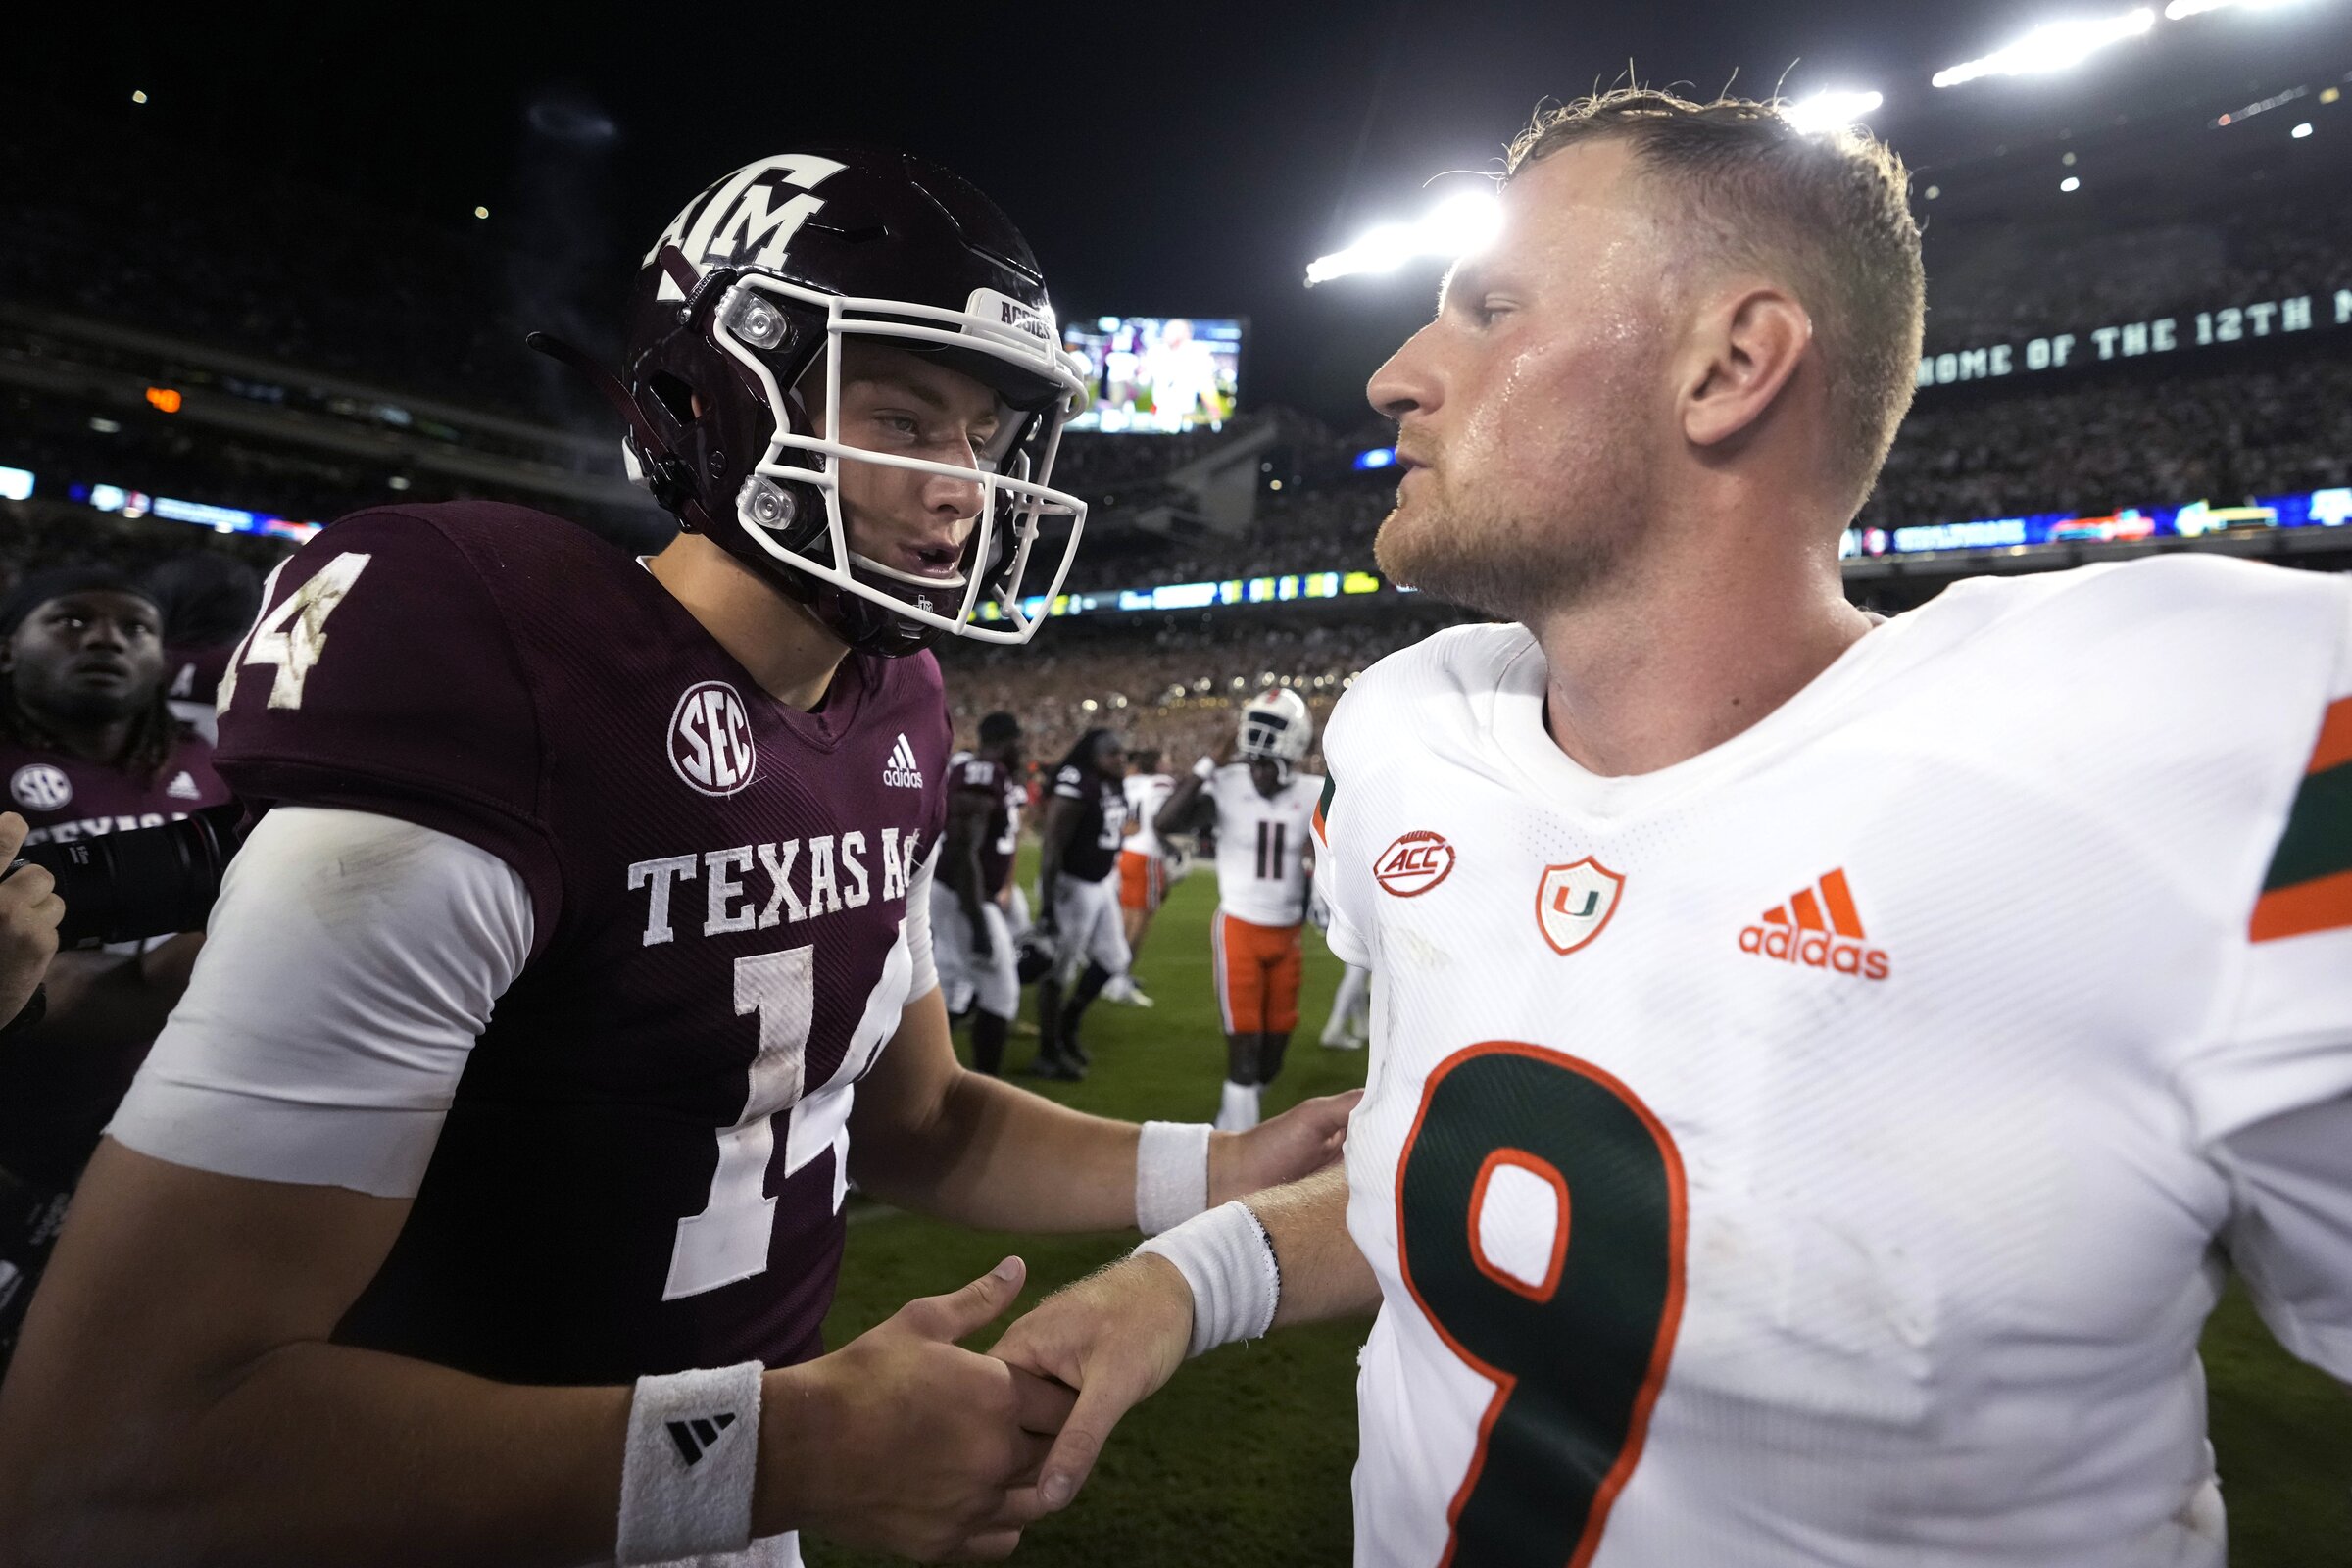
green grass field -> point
(1244, 1459)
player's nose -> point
(953, 499)
(1406, 384)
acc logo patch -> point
(710, 739)
(40, 787)
(1416, 863)
(1574, 902)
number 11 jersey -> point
(1264, 843)
(1821, 1150)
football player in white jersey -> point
(1143, 858)
(1822, 1071)
(1261, 808)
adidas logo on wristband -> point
(697, 1435)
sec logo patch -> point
(710, 739)
(40, 787)
(1416, 863)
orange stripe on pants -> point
(1258, 969)
(1142, 881)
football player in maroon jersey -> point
(482, 1201)
(969, 930)
(88, 744)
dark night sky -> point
(1162, 158)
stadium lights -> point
(1827, 111)
(2301, 132)
(138, 95)
(1455, 227)
(2050, 48)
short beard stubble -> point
(1509, 566)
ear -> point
(1746, 346)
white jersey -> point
(1823, 1150)
(1263, 844)
(1146, 794)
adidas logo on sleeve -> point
(903, 771)
(1819, 928)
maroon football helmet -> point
(753, 290)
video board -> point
(1158, 374)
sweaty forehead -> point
(1560, 209)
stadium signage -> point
(2314, 508)
(2131, 340)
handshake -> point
(921, 1449)
(906, 1442)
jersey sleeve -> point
(381, 677)
(2272, 1102)
(350, 964)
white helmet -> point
(1277, 727)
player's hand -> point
(1228, 747)
(30, 909)
(1116, 1336)
(920, 1449)
(1299, 1142)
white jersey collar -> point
(1516, 722)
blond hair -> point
(1827, 211)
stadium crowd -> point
(1171, 689)
(1995, 281)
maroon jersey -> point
(642, 1168)
(977, 775)
(1093, 852)
(193, 674)
(64, 797)
(53, 1103)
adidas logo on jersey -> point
(184, 788)
(699, 1435)
(902, 770)
(1797, 932)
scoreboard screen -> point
(1156, 374)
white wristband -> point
(686, 1474)
(1207, 767)
(1227, 1259)
(1171, 1174)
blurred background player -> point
(88, 744)
(1086, 815)
(207, 600)
(1143, 860)
(971, 939)
(1350, 1025)
(1262, 808)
